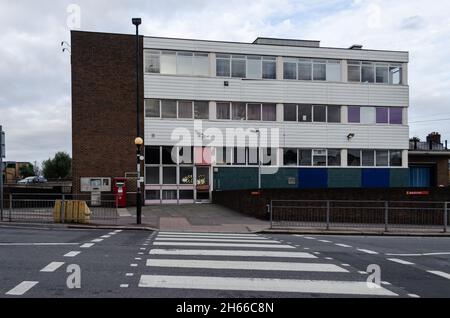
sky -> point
(35, 93)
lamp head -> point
(136, 21)
(139, 141)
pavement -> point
(160, 264)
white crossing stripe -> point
(118, 231)
(263, 266)
(439, 273)
(231, 253)
(206, 233)
(97, 240)
(87, 245)
(264, 285)
(105, 236)
(53, 266)
(325, 241)
(214, 240)
(367, 251)
(72, 254)
(212, 236)
(222, 245)
(400, 261)
(342, 245)
(22, 288)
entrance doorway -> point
(203, 184)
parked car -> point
(34, 179)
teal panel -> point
(281, 179)
(344, 178)
(399, 178)
(235, 178)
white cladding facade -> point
(381, 106)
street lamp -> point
(138, 141)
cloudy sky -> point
(35, 93)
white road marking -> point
(413, 296)
(400, 261)
(118, 231)
(212, 240)
(87, 245)
(309, 238)
(329, 258)
(206, 233)
(231, 253)
(325, 241)
(134, 265)
(223, 245)
(140, 253)
(97, 240)
(263, 285)
(72, 254)
(439, 273)
(264, 266)
(306, 248)
(362, 272)
(345, 265)
(342, 245)
(142, 248)
(37, 244)
(422, 254)
(367, 251)
(317, 253)
(22, 288)
(212, 236)
(138, 259)
(124, 286)
(129, 274)
(105, 236)
(386, 283)
(53, 266)
(112, 233)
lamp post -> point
(138, 141)
(258, 146)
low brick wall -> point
(255, 202)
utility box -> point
(120, 192)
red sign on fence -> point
(418, 193)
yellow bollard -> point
(69, 211)
(57, 212)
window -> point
(305, 70)
(368, 158)
(382, 74)
(184, 109)
(201, 110)
(269, 112)
(367, 73)
(320, 114)
(238, 110)
(152, 195)
(269, 156)
(168, 108)
(334, 114)
(152, 155)
(382, 115)
(239, 156)
(223, 111)
(305, 157)
(304, 113)
(396, 116)
(382, 158)
(334, 157)
(224, 156)
(252, 156)
(169, 175)
(152, 108)
(223, 65)
(201, 64)
(254, 67)
(269, 68)
(169, 194)
(186, 194)
(395, 158)
(395, 75)
(238, 66)
(152, 175)
(290, 157)
(186, 175)
(254, 111)
(319, 158)
(290, 112)
(168, 62)
(333, 71)
(184, 63)
(319, 70)
(152, 61)
(186, 155)
(367, 115)
(354, 114)
(290, 69)
(354, 158)
(354, 71)
(169, 155)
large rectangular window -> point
(290, 157)
(334, 114)
(169, 155)
(152, 108)
(152, 155)
(333, 71)
(269, 112)
(241, 66)
(354, 71)
(382, 115)
(152, 175)
(382, 158)
(168, 108)
(238, 66)
(334, 157)
(368, 115)
(395, 158)
(152, 61)
(238, 111)
(186, 176)
(304, 113)
(319, 70)
(320, 114)
(395, 75)
(269, 68)
(223, 65)
(185, 109)
(254, 67)
(354, 114)
(201, 64)
(319, 157)
(380, 73)
(305, 70)
(169, 175)
(367, 73)
(201, 110)
(354, 158)
(180, 63)
(184, 63)
(223, 111)
(254, 111)
(168, 62)
(368, 158)
(305, 157)
(290, 112)
(395, 115)
(290, 69)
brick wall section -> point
(104, 105)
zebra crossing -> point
(246, 263)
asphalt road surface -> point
(112, 263)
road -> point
(122, 264)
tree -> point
(60, 167)
(26, 170)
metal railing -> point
(39, 208)
(375, 215)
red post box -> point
(120, 191)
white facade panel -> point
(297, 135)
(274, 50)
(273, 91)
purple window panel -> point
(354, 114)
(382, 115)
(396, 116)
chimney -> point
(434, 138)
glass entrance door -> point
(202, 186)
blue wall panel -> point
(375, 178)
(312, 178)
